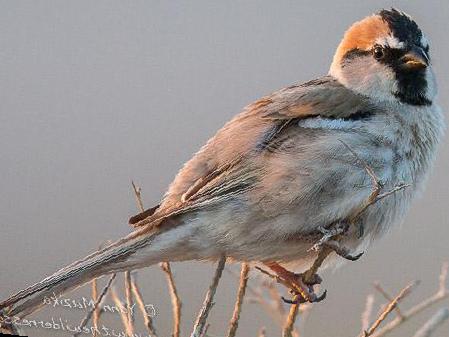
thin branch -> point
(129, 297)
(276, 312)
(366, 315)
(127, 324)
(234, 323)
(175, 299)
(433, 323)
(96, 305)
(200, 322)
(138, 195)
(440, 295)
(148, 321)
(291, 319)
(96, 313)
(388, 297)
(390, 307)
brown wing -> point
(221, 168)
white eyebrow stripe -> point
(390, 41)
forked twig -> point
(388, 297)
(440, 295)
(390, 307)
(201, 320)
(234, 323)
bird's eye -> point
(378, 52)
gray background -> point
(94, 94)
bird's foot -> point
(341, 250)
(302, 289)
(330, 241)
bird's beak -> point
(415, 59)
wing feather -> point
(223, 168)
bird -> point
(340, 157)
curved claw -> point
(320, 298)
(354, 257)
(286, 300)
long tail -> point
(118, 256)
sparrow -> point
(291, 165)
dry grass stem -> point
(200, 322)
(97, 303)
(433, 323)
(175, 299)
(234, 323)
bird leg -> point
(300, 286)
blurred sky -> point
(94, 94)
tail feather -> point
(113, 258)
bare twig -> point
(291, 319)
(165, 266)
(129, 297)
(366, 315)
(276, 311)
(233, 324)
(387, 296)
(200, 322)
(96, 313)
(96, 305)
(440, 295)
(138, 195)
(433, 323)
(175, 299)
(129, 328)
(390, 307)
(148, 321)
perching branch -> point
(175, 299)
(201, 320)
(233, 324)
